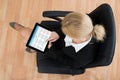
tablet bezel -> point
(37, 24)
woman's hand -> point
(53, 37)
(25, 33)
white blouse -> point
(68, 42)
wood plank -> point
(17, 64)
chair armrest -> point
(55, 13)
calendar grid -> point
(39, 38)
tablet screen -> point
(38, 38)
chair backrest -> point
(104, 15)
(106, 49)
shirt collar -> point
(68, 42)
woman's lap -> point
(43, 60)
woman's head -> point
(78, 25)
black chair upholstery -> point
(105, 50)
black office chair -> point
(105, 50)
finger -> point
(52, 40)
(49, 45)
(49, 39)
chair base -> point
(56, 70)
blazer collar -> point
(92, 42)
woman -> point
(75, 44)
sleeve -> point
(60, 33)
(60, 55)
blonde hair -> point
(79, 25)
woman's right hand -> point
(53, 37)
(25, 33)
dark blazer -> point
(68, 56)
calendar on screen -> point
(38, 38)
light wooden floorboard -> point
(16, 64)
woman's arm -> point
(60, 54)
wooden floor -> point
(17, 64)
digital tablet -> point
(38, 37)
